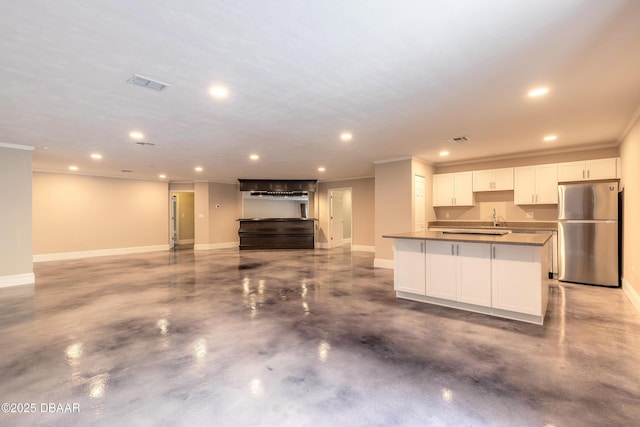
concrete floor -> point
(301, 338)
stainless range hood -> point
(278, 187)
(279, 194)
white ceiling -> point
(402, 76)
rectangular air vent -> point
(144, 143)
(459, 139)
(139, 80)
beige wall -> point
(393, 203)
(502, 202)
(362, 212)
(630, 156)
(201, 207)
(225, 208)
(15, 215)
(74, 213)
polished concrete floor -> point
(300, 338)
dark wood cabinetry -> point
(278, 186)
(276, 233)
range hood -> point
(278, 187)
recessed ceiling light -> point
(199, 169)
(539, 91)
(73, 168)
(321, 169)
(162, 176)
(444, 153)
(346, 136)
(254, 157)
(136, 135)
(550, 138)
(96, 156)
(219, 91)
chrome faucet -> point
(494, 218)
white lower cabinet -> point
(459, 272)
(441, 275)
(474, 273)
(410, 266)
(499, 279)
(517, 274)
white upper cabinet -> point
(586, 170)
(453, 189)
(493, 180)
(536, 185)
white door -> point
(336, 226)
(419, 203)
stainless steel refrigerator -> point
(588, 233)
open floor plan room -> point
(301, 338)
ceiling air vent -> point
(139, 80)
(143, 143)
(459, 139)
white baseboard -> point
(346, 240)
(17, 280)
(383, 263)
(320, 245)
(99, 252)
(208, 246)
(632, 294)
(186, 242)
(363, 248)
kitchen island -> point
(504, 275)
(276, 233)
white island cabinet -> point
(505, 276)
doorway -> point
(181, 221)
(340, 217)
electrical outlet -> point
(529, 214)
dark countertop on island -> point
(502, 225)
(276, 219)
(527, 239)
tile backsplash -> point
(502, 202)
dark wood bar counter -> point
(276, 233)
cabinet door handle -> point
(452, 249)
(457, 250)
(494, 252)
(532, 196)
(421, 247)
(588, 173)
(582, 173)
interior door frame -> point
(177, 218)
(342, 189)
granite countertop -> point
(527, 239)
(502, 225)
